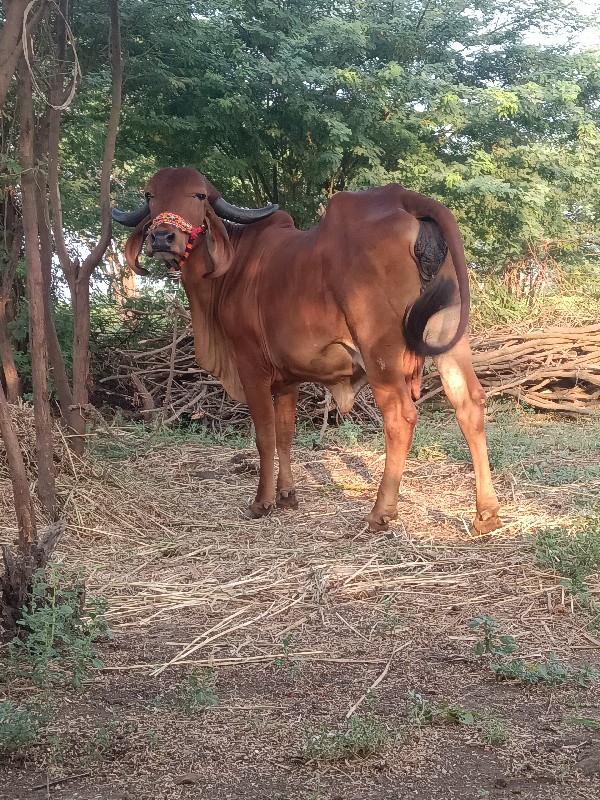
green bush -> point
(360, 736)
(56, 643)
(18, 726)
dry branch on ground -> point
(555, 369)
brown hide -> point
(315, 305)
(303, 305)
(327, 305)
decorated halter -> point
(175, 221)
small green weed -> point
(287, 661)
(308, 436)
(361, 736)
(58, 747)
(574, 554)
(349, 433)
(197, 693)
(18, 726)
(492, 642)
(56, 645)
(153, 738)
(550, 673)
(495, 730)
(109, 741)
(391, 622)
(421, 712)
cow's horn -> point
(130, 218)
(245, 215)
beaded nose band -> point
(169, 218)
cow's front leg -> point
(285, 426)
(260, 403)
(399, 420)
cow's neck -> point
(214, 351)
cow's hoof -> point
(379, 522)
(257, 510)
(486, 521)
(287, 499)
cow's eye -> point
(201, 196)
(148, 196)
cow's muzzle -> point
(161, 241)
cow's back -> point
(294, 293)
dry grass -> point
(192, 583)
(158, 541)
(70, 471)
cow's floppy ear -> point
(133, 248)
(218, 245)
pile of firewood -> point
(555, 369)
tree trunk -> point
(80, 299)
(11, 47)
(13, 239)
(10, 43)
(61, 379)
(121, 278)
(23, 505)
(11, 376)
(15, 585)
(79, 276)
(35, 288)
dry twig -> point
(555, 369)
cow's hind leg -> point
(399, 420)
(285, 426)
(468, 398)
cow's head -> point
(183, 212)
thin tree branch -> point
(35, 288)
(23, 504)
(94, 258)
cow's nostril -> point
(162, 239)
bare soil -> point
(191, 584)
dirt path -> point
(295, 617)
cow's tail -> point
(440, 292)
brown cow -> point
(343, 304)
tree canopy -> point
(289, 101)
